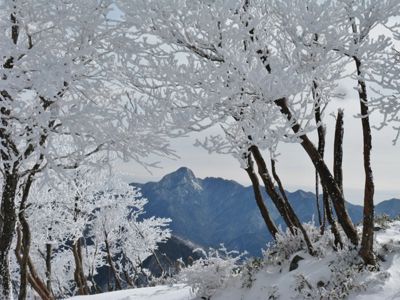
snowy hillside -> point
(330, 275)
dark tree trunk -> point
(293, 215)
(259, 198)
(8, 222)
(325, 197)
(118, 285)
(331, 220)
(37, 283)
(49, 250)
(367, 241)
(321, 147)
(33, 279)
(338, 150)
(79, 274)
(26, 240)
(337, 165)
(284, 207)
(10, 178)
(128, 279)
(321, 150)
(327, 179)
(270, 188)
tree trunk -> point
(331, 220)
(367, 241)
(328, 214)
(79, 275)
(317, 201)
(128, 279)
(338, 150)
(337, 166)
(49, 250)
(259, 198)
(325, 197)
(293, 215)
(111, 264)
(33, 280)
(8, 222)
(26, 236)
(158, 262)
(26, 240)
(321, 146)
(284, 207)
(38, 285)
(327, 179)
(270, 188)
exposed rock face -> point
(294, 264)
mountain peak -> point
(184, 171)
(181, 176)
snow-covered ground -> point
(276, 282)
(382, 285)
(162, 292)
(390, 289)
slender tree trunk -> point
(111, 264)
(158, 263)
(321, 146)
(317, 201)
(337, 161)
(293, 215)
(270, 188)
(92, 269)
(259, 198)
(33, 280)
(327, 179)
(26, 239)
(49, 251)
(284, 207)
(37, 283)
(338, 150)
(328, 214)
(128, 279)
(367, 241)
(79, 275)
(24, 262)
(8, 222)
(331, 220)
(325, 197)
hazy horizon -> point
(354, 196)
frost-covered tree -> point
(95, 223)
(368, 51)
(123, 235)
(64, 96)
(264, 70)
(239, 64)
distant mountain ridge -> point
(212, 210)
